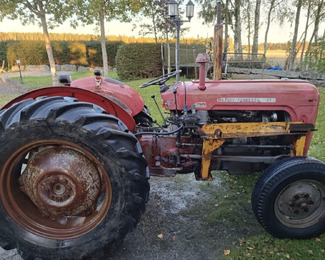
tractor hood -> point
(299, 98)
(113, 89)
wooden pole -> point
(217, 46)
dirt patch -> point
(7, 89)
(186, 219)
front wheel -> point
(289, 198)
(73, 179)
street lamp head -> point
(172, 8)
(189, 10)
(18, 61)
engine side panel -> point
(299, 98)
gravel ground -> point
(182, 220)
(7, 88)
(176, 224)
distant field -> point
(276, 57)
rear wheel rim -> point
(23, 210)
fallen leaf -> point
(226, 252)
(248, 255)
(174, 238)
(310, 252)
(250, 248)
(160, 236)
(318, 239)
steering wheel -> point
(160, 80)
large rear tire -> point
(289, 198)
(73, 179)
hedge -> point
(138, 60)
(85, 53)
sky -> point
(197, 29)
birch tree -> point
(256, 28)
(46, 13)
(237, 29)
(319, 16)
(272, 6)
(293, 51)
(100, 11)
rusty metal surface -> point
(215, 134)
(55, 197)
(238, 130)
(209, 145)
(61, 182)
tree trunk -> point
(293, 53)
(256, 28)
(268, 25)
(154, 27)
(225, 46)
(49, 50)
(237, 31)
(305, 36)
(316, 27)
(248, 9)
(103, 42)
(168, 52)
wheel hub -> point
(301, 202)
(61, 182)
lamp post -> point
(18, 63)
(173, 14)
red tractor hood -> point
(115, 90)
(299, 98)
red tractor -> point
(76, 159)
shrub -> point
(86, 53)
(138, 60)
(29, 53)
(3, 53)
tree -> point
(273, 5)
(47, 13)
(237, 29)
(318, 15)
(256, 28)
(156, 12)
(248, 17)
(99, 11)
(305, 32)
(230, 10)
(293, 52)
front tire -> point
(73, 179)
(289, 198)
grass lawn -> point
(261, 246)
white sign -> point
(246, 100)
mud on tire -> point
(73, 179)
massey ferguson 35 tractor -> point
(75, 159)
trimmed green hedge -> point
(138, 60)
(3, 53)
(85, 53)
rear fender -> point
(110, 104)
